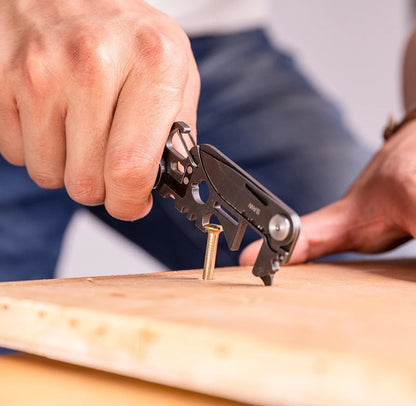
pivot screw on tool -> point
(214, 231)
(279, 227)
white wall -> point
(351, 48)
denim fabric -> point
(258, 108)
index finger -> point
(146, 109)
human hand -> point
(90, 90)
(376, 214)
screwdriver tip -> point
(267, 279)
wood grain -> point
(324, 334)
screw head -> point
(213, 228)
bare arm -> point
(409, 74)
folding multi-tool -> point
(234, 197)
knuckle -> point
(129, 170)
(86, 57)
(36, 74)
(161, 47)
(84, 189)
(130, 178)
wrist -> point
(393, 126)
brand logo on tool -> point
(254, 208)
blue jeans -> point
(256, 107)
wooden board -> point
(322, 335)
(30, 380)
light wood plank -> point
(324, 334)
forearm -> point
(409, 73)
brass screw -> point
(213, 231)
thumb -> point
(323, 232)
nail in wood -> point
(213, 231)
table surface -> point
(37, 381)
(323, 334)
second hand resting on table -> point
(376, 214)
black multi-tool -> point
(234, 197)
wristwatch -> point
(392, 126)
